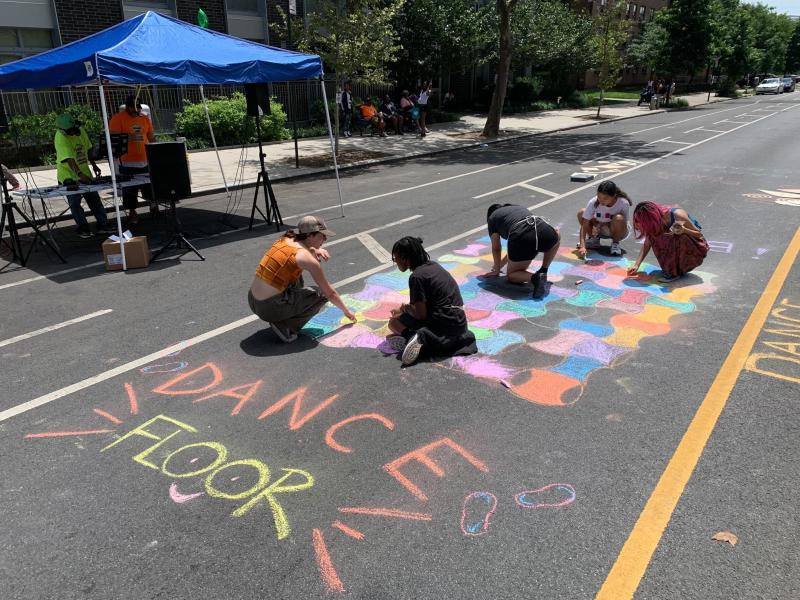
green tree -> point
(442, 37)
(611, 30)
(689, 28)
(651, 48)
(771, 35)
(793, 51)
(551, 36)
(358, 41)
(505, 13)
(731, 41)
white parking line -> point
(49, 328)
(508, 187)
(144, 360)
(716, 112)
(704, 129)
(667, 140)
(538, 189)
(378, 251)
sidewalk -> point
(241, 167)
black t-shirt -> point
(504, 218)
(431, 284)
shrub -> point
(578, 100)
(677, 103)
(524, 90)
(231, 124)
(727, 88)
(441, 116)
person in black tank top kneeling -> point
(527, 235)
(434, 318)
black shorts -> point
(526, 241)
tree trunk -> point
(600, 102)
(492, 126)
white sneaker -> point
(615, 249)
(411, 351)
(283, 334)
(593, 242)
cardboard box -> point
(137, 253)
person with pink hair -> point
(673, 235)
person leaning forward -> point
(278, 294)
(139, 130)
(72, 158)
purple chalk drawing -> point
(481, 366)
(170, 367)
(495, 320)
(722, 247)
(533, 498)
(476, 513)
(562, 343)
(472, 250)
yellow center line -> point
(631, 564)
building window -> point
(642, 9)
(16, 43)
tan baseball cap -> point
(311, 224)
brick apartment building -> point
(33, 26)
(639, 14)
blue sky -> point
(790, 7)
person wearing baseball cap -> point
(278, 294)
(72, 158)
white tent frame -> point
(104, 112)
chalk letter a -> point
(295, 420)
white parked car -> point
(773, 85)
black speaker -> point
(257, 95)
(169, 170)
(3, 117)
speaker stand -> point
(180, 241)
(270, 202)
(9, 208)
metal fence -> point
(301, 100)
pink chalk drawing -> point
(555, 495)
(476, 513)
(180, 498)
(542, 351)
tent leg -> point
(333, 150)
(213, 140)
(113, 174)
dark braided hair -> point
(410, 248)
(494, 207)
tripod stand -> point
(177, 238)
(270, 202)
(9, 208)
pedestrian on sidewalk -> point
(434, 318)
(72, 157)
(605, 216)
(369, 112)
(278, 294)
(346, 105)
(391, 116)
(527, 235)
(409, 110)
(423, 96)
(673, 235)
(139, 130)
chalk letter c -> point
(329, 439)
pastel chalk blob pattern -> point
(555, 495)
(477, 512)
(543, 351)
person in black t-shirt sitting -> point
(434, 317)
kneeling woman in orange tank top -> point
(278, 295)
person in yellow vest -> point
(72, 158)
(140, 131)
(278, 294)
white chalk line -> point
(50, 328)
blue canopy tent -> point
(156, 49)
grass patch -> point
(615, 94)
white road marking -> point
(538, 189)
(49, 328)
(508, 187)
(339, 240)
(666, 140)
(733, 122)
(140, 362)
(716, 112)
(378, 251)
(704, 129)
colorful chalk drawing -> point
(477, 512)
(543, 351)
(555, 495)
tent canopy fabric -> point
(157, 49)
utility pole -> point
(292, 13)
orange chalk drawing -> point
(165, 388)
(108, 416)
(52, 434)
(353, 533)
(326, 569)
(547, 388)
(243, 393)
(329, 439)
(295, 421)
(132, 399)
(420, 455)
(386, 512)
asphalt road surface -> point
(157, 441)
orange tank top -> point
(278, 267)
